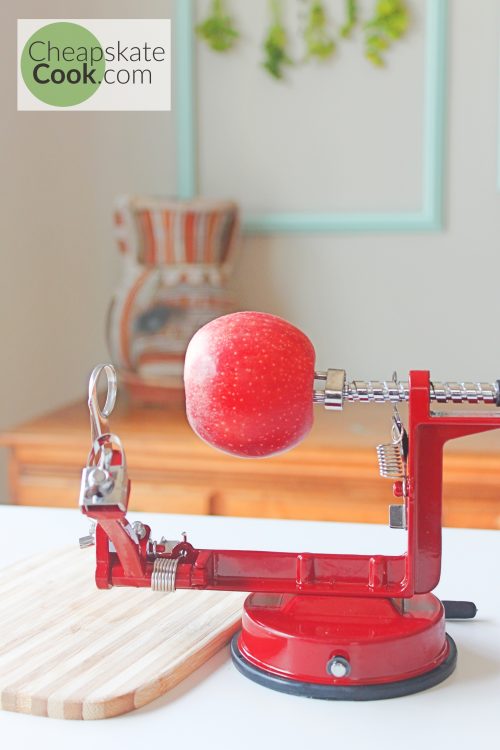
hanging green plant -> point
(218, 30)
(389, 23)
(276, 43)
(319, 43)
(351, 7)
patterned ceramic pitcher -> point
(177, 259)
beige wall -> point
(60, 173)
(375, 303)
(371, 303)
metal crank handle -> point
(336, 390)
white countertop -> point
(218, 707)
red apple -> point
(249, 384)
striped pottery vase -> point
(177, 258)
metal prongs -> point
(332, 394)
(334, 389)
(164, 573)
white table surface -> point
(218, 707)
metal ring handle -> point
(99, 417)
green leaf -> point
(389, 24)
(375, 58)
(276, 43)
(351, 18)
(319, 43)
(218, 30)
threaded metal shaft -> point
(382, 391)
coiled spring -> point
(164, 573)
(390, 455)
(390, 461)
(396, 391)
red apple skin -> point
(249, 381)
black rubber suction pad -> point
(346, 692)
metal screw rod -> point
(395, 391)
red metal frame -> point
(416, 571)
(427, 435)
(295, 637)
(307, 609)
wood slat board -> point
(71, 651)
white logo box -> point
(154, 94)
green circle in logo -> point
(62, 64)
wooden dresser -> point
(333, 475)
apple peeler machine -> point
(334, 626)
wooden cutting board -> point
(71, 651)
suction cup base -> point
(372, 692)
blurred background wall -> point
(370, 302)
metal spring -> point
(390, 461)
(164, 573)
(457, 393)
(376, 390)
(471, 393)
(394, 391)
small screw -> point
(96, 476)
(139, 529)
(338, 667)
(101, 483)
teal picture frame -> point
(430, 215)
(498, 127)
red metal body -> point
(307, 607)
(295, 637)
